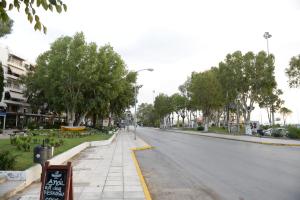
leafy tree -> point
(163, 108)
(30, 9)
(178, 103)
(77, 78)
(146, 114)
(285, 112)
(254, 77)
(5, 27)
(272, 102)
(206, 93)
(293, 72)
(226, 74)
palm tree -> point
(285, 112)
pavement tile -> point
(118, 182)
(115, 188)
(114, 178)
(131, 188)
(112, 195)
(130, 194)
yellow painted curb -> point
(138, 169)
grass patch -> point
(25, 159)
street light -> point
(135, 99)
(267, 35)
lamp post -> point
(135, 99)
(267, 35)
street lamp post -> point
(135, 99)
(267, 35)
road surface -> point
(184, 167)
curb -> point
(33, 173)
(138, 169)
(234, 139)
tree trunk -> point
(206, 122)
(94, 120)
(188, 120)
(272, 111)
(247, 123)
(269, 116)
(177, 120)
(81, 118)
(71, 117)
(227, 118)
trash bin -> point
(40, 154)
(49, 152)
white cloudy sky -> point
(175, 37)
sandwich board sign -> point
(57, 183)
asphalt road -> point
(184, 167)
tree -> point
(31, 6)
(5, 27)
(206, 93)
(163, 108)
(178, 103)
(293, 72)
(285, 112)
(254, 77)
(226, 74)
(272, 102)
(146, 115)
(77, 78)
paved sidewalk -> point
(103, 173)
(245, 138)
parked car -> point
(275, 132)
(268, 132)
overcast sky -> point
(173, 37)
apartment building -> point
(13, 104)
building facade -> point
(13, 99)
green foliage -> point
(5, 27)
(84, 80)
(206, 91)
(293, 132)
(162, 105)
(146, 114)
(200, 128)
(24, 159)
(23, 143)
(293, 72)
(264, 127)
(277, 133)
(285, 112)
(7, 160)
(30, 8)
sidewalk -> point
(104, 172)
(245, 138)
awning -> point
(17, 103)
(2, 104)
(16, 95)
(18, 71)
